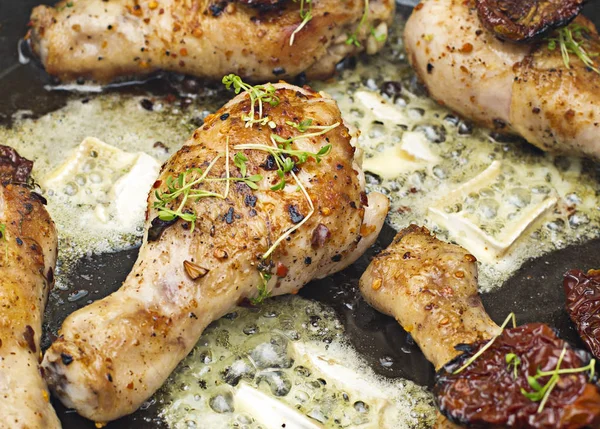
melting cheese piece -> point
(381, 109)
(488, 214)
(269, 412)
(412, 153)
(111, 182)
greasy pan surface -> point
(534, 293)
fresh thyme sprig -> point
(542, 392)
(353, 38)
(570, 40)
(482, 350)
(305, 15)
(258, 94)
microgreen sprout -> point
(514, 361)
(187, 189)
(482, 350)
(353, 38)
(263, 292)
(541, 392)
(305, 15)
(287, 159)
(258, 94)
(570, 40)
(379, 37)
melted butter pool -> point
(286, 364)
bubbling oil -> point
(294, 350)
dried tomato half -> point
(525, 21)
(489, 392)
(13, 167)
(583, 305)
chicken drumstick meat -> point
(28, 244)
(229, 242)
(430, 287)
(512, 88)
(100, 40)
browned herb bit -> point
(527, 378)
(583, 305)
(525, 21)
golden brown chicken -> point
(430, 287)
(284, 219)
(260, 41)
(513, 88)
(28, 244)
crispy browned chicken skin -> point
(430, 287)
(206, 38)
(28, 245)
(519, 89)
(121, 349)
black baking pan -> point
(534, 293)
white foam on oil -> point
(286, 364)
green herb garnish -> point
(488, 344)
(540, 392)
(263, 292)
(353, 38)
(186, 188)
(305, 15)
(258, 94)
(514, 361)
(570, 41)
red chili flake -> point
(466, 48)
(282, 270)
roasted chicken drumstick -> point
(484, 372)
(28, 244)
(525, 89)
(430, 287)
(268, 230)
(102, 40)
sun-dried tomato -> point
(13, 167)
(525, 21)
(583, 305)
(487, 393)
